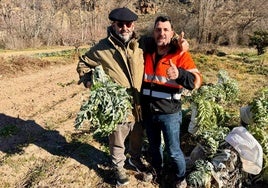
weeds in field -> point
(8, 131)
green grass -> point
(8, 130)
(63, 53)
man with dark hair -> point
(167, 71)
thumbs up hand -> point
(172, 71)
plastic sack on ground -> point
(249, 149)
(197, 153)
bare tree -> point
(7, 19)
(32, 23)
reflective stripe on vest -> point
(161, 95)
(162, 80)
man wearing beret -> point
(121, 56)
(122, 59)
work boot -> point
(137, 164)
(121, 176)
(181, 184)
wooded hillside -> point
(35, 23)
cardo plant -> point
(108, 104)
(211, 117)
(259, 127)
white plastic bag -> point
(249, 149)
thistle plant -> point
(211, 117)
(108, 104)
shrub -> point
(260, 40)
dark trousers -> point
(169, 125)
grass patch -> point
(19, 64)
(250, 76)
(41, 170)
(63, 53)
(66, 84)
(8, 130)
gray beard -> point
(125, 38)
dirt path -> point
(39, 108)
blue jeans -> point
(169, 124)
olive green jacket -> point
(123, 63)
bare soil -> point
(39, 146)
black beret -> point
(122, 14)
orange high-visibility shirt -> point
(156, 73)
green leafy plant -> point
(259, 127)
(225, 90)
(259, 109)
(201, 176)
(211, 139)
(211, 116)
(108, 104)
